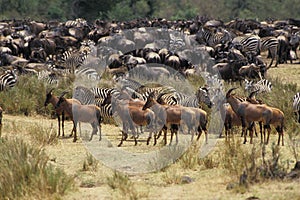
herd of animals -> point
(153, 49)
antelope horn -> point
(63, 94)
(252, 94)
(229, 91)
(50, 90)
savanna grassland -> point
(35, 164)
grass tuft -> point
(25, 171)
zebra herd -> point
(124, 51)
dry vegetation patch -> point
(220, 175)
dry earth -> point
(207, 183)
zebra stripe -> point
(201, 96)
(262, 86)
(84, 95)
(144, 91)
(48, 77)
(249, 43)
(86, 72)
(102, 93)
(270, 44)
(87, 96)
(211, 38)
(8, 80)
(296, 102)
(73, 60)
(296, 106)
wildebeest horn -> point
(229, 91)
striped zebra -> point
(73, 60)
(262, 86)
(270, 44)
(201, 96)
(248, 44)
(86, 72)
(49, 77)
(8, 79)
(144, 91)
(127, 82)
(296, 106)
(213, 37)
(86, 96)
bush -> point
(28, 96)
(25, 172)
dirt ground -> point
(93, 183)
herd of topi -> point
(230, 51)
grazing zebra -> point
(296, 106)
(270, 44)
(248, 43)
(8, 79)
(212, 38)
(49, 77)
(262, 86)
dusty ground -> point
(92, 183)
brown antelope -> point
(277, 120)
(250, 113)
(50, 98)
(81, 113)
(132, 115)
(171, 117)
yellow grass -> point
(208, 182)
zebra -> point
(262, 86)
(296, 106)
(213, 37)
(270, 44)
(195, 101)
(248, 44)
(87, 96)
(73, 60)
(50, 78)
(86, 72)
(144, 91)
(8, 79)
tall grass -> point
(26, 173)
(28, 96)
(125, 187)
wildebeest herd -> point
(153, 50)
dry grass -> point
(210, 175)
